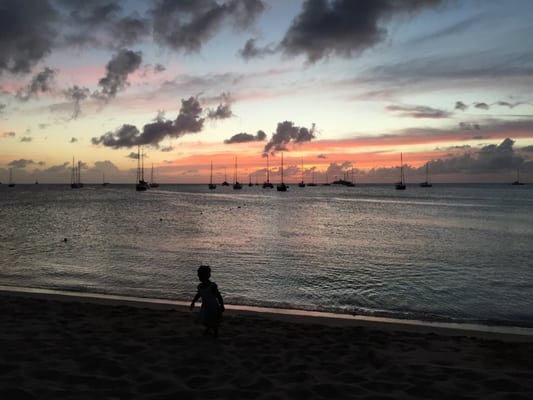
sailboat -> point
(517, 182)
(281, 187)
(427, 182)
(75, 179)
(211, 184)
(267, 184)
(152, 183)
(104, 183)
(401, 185)
(10, 182)
(250, 180)
(236, 184)
(312, 183)
(302, 183)
(225, 183)
(327, 181)
(141, 185)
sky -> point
(344, 88)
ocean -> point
(450, 253)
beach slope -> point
(65, 348)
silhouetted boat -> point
(211, 184)
(75, 179)
(427, 182)
(267, 184)
(302, 183)
(104, 183)
(401, 184)
(312, 183)
(236, 184)
(225, 183)
(281, 187)
(517, 182)
(10, 183)
(152, 183)
(141, 185)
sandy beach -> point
(55, 348)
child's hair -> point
(204, 273)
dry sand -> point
(66, 348)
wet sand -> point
(54, 348)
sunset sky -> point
(340, 85)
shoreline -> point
(68, 346)
(497, 332)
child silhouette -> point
(212, 304)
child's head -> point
(204, 273)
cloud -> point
(8, 134)
(223, 110)
(343, 27)
(459, 105)
(73, 140)
(22, 163)
(468, 126)
(246, 137)
(250, 50)
(481, 106)
(27, 34)
(40, 83)
(418, 111)
(76, 95)
(490, 158)
(188, 25)
(286, 133)
(26, 139)
(189, 120)
(121, 65)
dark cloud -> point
(246, 137)
(42, 82)
(159, 68)
(418, 111)
(121, 65)
(286, 133)
(22, 163)
(167, 149)
(468, 126)
(8, 134)
(73, 140)
(189, 120)
(223, 110)
(130, 30)
(481, 106)
(26, 139)
(343, 27)
(76, 95)
(490, 158)
(187, 25)
(133, 156)
(250, 50)
(459, 105)
(26, 34)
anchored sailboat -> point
(267, 184)
(75, 179)
(141, 185)
(152, 183)
(281, 187)
(236, 184)
(211, 184)
(225, 183)
(10, 182)
(401, 185)
(302, 183)
(517, 182)
(427, 182)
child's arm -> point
(219, 298)
(194, 300)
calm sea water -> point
(461, 253)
